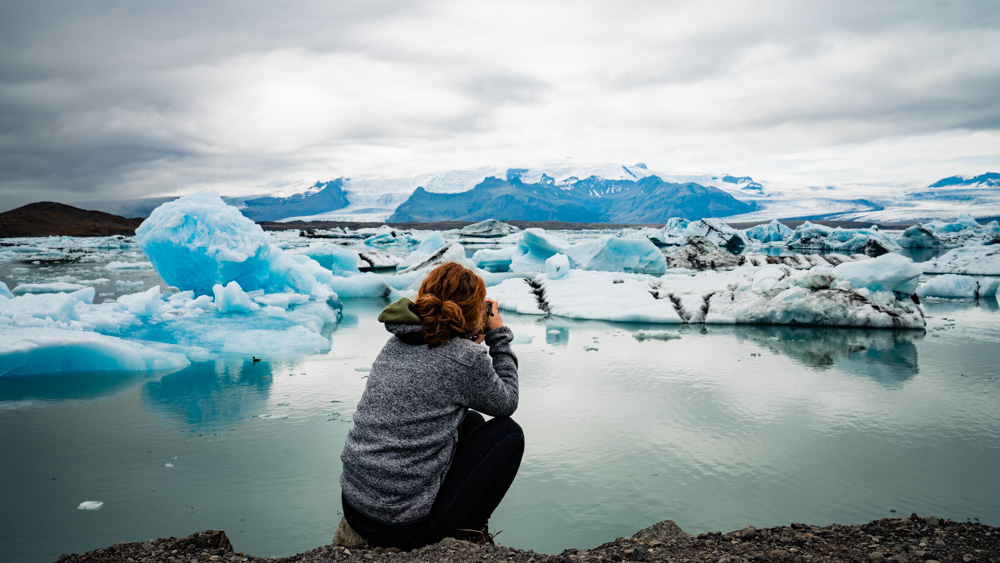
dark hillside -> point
(48, 218)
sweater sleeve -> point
(492, 387)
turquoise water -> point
(723, 427)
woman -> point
(419, 463)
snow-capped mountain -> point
(521, 194)
(631, 193)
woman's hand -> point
(493, 319)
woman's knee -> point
(509, 430)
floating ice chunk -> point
(557, 266)
(450, 252)
(168, 465)
(817, 237)
(718, 232)
(198, 241)
(769, 232)
(968, 260)
(889, 272)
(606, 296)
(51, 307)
(496, 259)
(490, 228)
(282, 300)
(516, 294)
(54, 287)
(614, 254)
(427, 248)
(829, 307)
(534, 247)
(957, 287)
(36, 350)
(273, 416)
(118, 266)
(374, 259)
(338, 259)
(20, 270)
(608, 254)
(389, 237)
(145, 304)
(129, 284)
(5, 291)
(362, 286)
(699, 253)
(919, 236)
(90, 505)
(655, 335)
(232, 299)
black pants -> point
(486, 460)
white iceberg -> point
(53, 287)
(968, 260)
(90, 505)
(954, 286)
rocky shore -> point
(897, 540)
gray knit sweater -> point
(406, 425)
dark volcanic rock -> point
(895, 539)
(47, 218)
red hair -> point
(450, 303)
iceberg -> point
(608, 253)
(700, 253)
(967, 260)
(338, 259)
(54, 287)
(198, 241)
(876, 293)
(773, 232)
(718, 232)
(817, 237)
(955, 286)
(490, 228)
(240, 295)
(37, 350)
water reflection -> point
(556, 335)
(68, 386)
(887, 356)
(211, 395)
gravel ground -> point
(897, 540)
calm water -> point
(723, 427)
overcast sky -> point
(108, 99)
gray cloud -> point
(101, 100)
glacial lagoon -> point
(713, 426)
(716, 429)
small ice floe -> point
(90, 505)
(363, 369)
(129, 266)
(54, 287)
(655, 335)
(126, 284)
(554, 331)
(273, 416)
(168, 465)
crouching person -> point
(420, 462)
